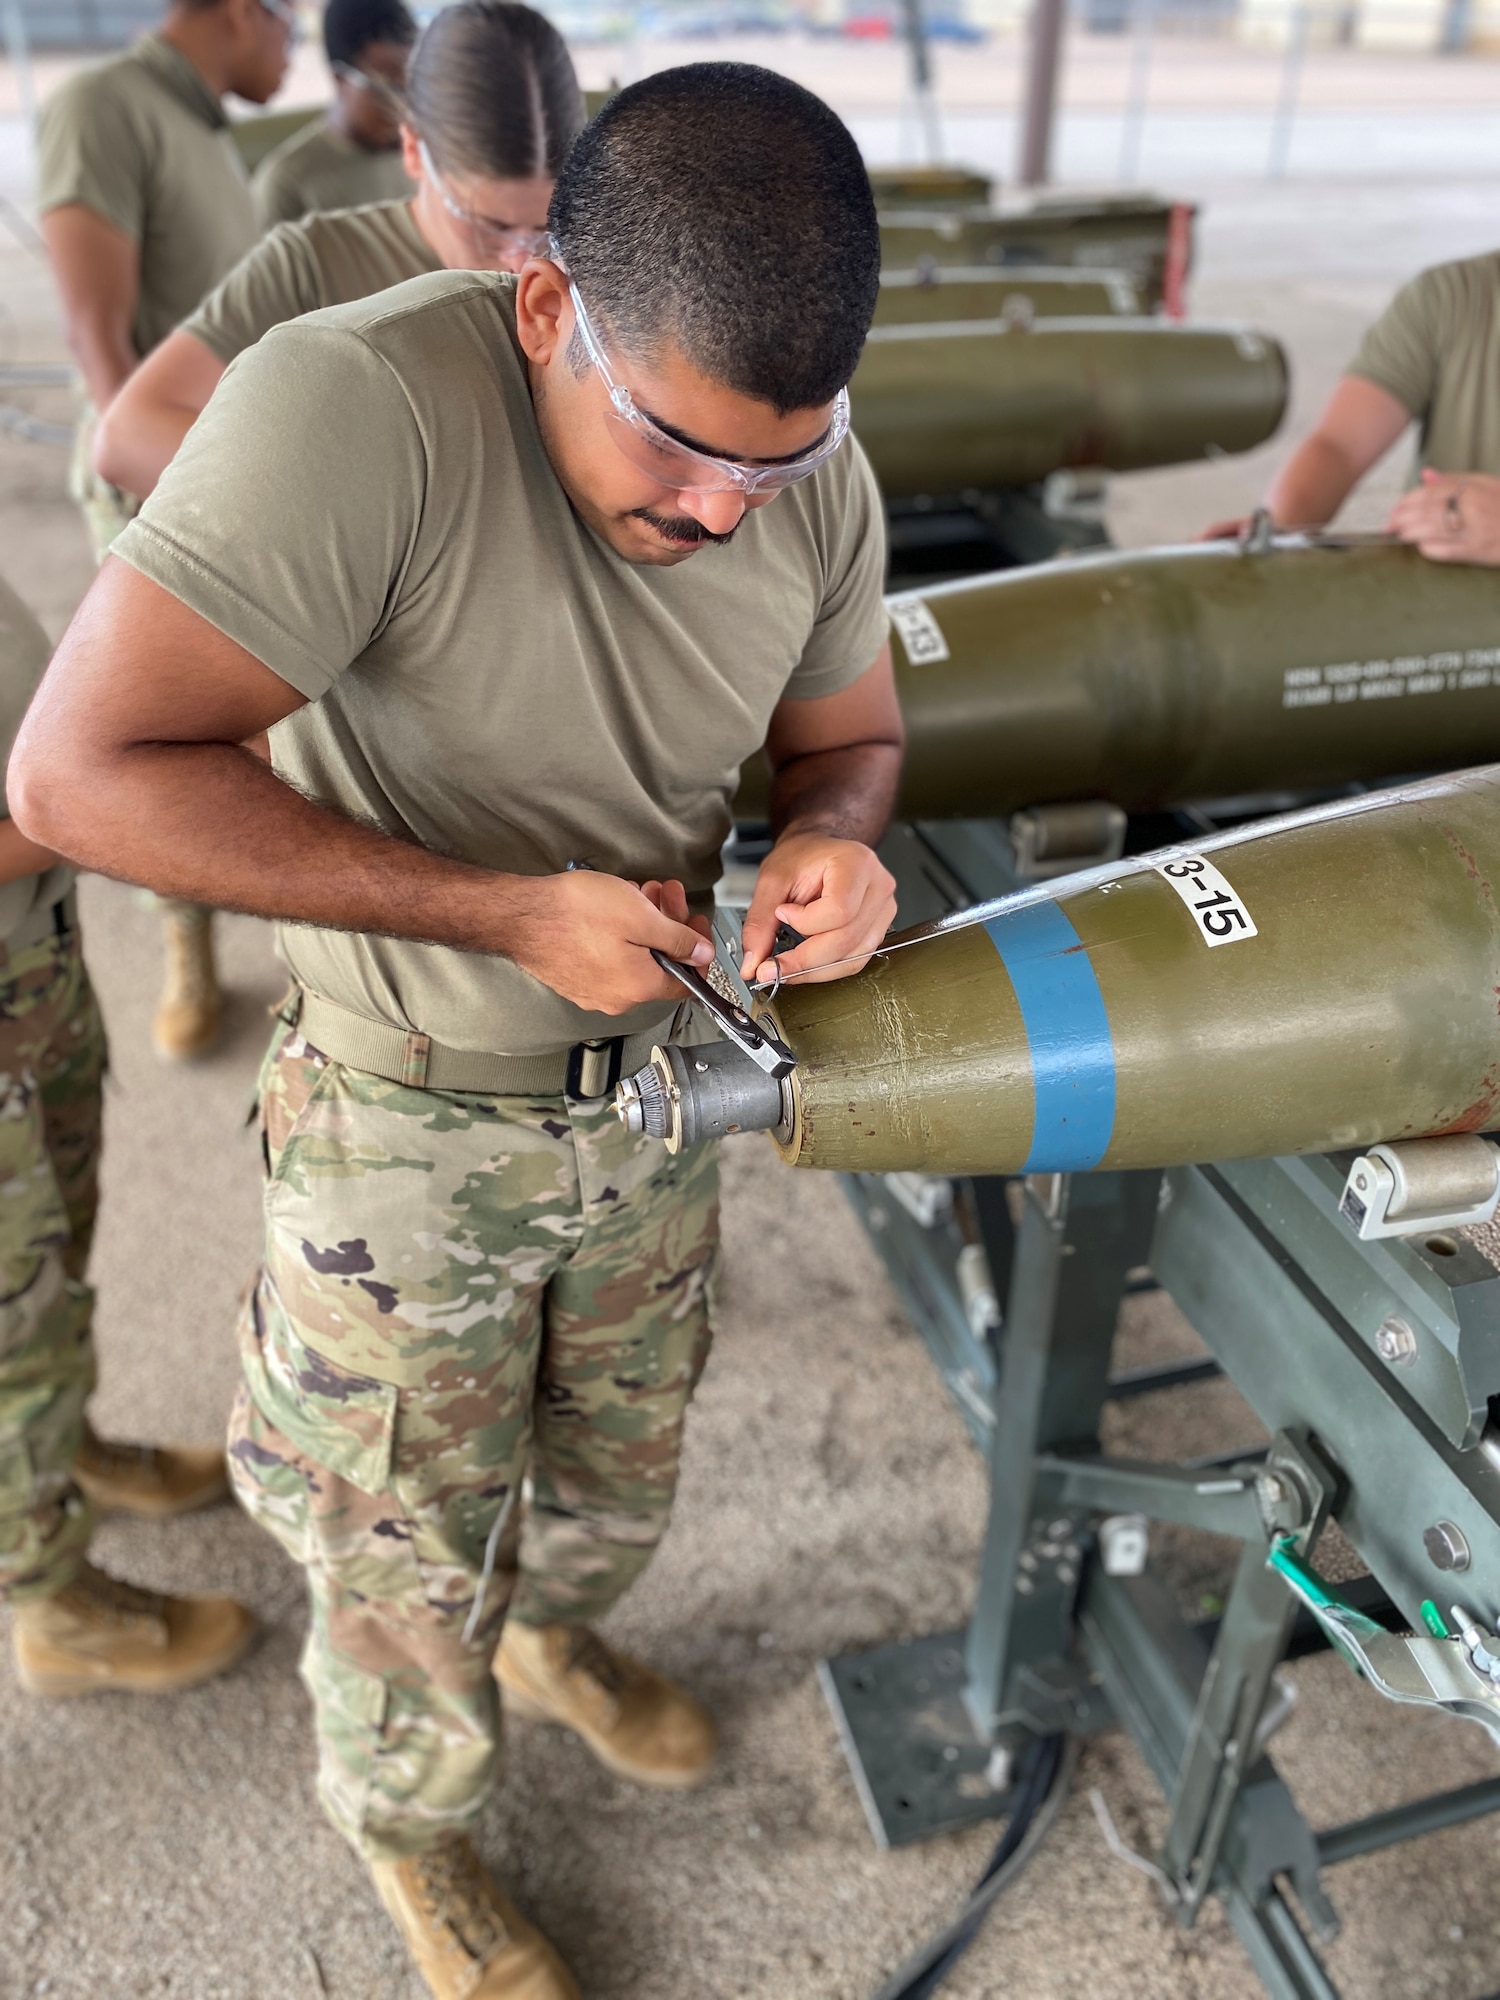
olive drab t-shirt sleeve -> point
(278, 281)
(91, 152)
(1436, 349)
(290, 536)
(1401, 351)
(851, 624)
(322, 260)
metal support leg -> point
(1076, 1242)
(1251, 1641)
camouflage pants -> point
(457, 1291)
(51, 1075)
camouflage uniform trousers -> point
(457, 1291)
(51, 1078)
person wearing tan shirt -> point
(352, 155)
(144, 207)
(491, 108)
(75, 1628)
(1432, 359)
(516, 570)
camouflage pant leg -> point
(626, 1337)
(51, 1068)
(391, 1352)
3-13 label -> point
(1217, 910)
(921, 634)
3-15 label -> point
(1217, 910)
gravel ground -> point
(830, 1501)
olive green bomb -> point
(1168, 676)
(973, 405)
(1321, 981)
(1301, 985)
(1015, 295)
(1141, 234)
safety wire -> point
(1043, 1788)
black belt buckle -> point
(585, 1057)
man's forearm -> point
(1312, 486)
(20, 857)
(134, 454)
(106, 359)
(209, 823)
(849, 793)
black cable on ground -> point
(1045, 1781)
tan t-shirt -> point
(367, 507)
(142, 141)
(318, 169)
(324, 260)
(23, 656)
(1436, 349)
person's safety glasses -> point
(496, 242)
(377, 86)
(284, 12)
(679, 466)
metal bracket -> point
(1421, 1669)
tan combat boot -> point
(468, 1940)
(153, 1481)
(636, 1721)
(187, 1014)
(98, 1632)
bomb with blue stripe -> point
(1315, 982)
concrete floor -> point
(830, 1501)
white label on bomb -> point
(1217, 910)
(921, 634)
(1381, 680)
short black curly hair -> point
(725, 209)
(350, 26)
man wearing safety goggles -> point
(517, 570)
(352, 155)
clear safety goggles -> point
(496, 242)
(375, 86)
(678, 466)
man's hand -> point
(1226, 531)
(590, 937)
(1451, 517)
(837, 893)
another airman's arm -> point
(97, 268)
(138, 434)
(1360, 424)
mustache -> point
(680, 528)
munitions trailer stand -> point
(1371, 1364)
